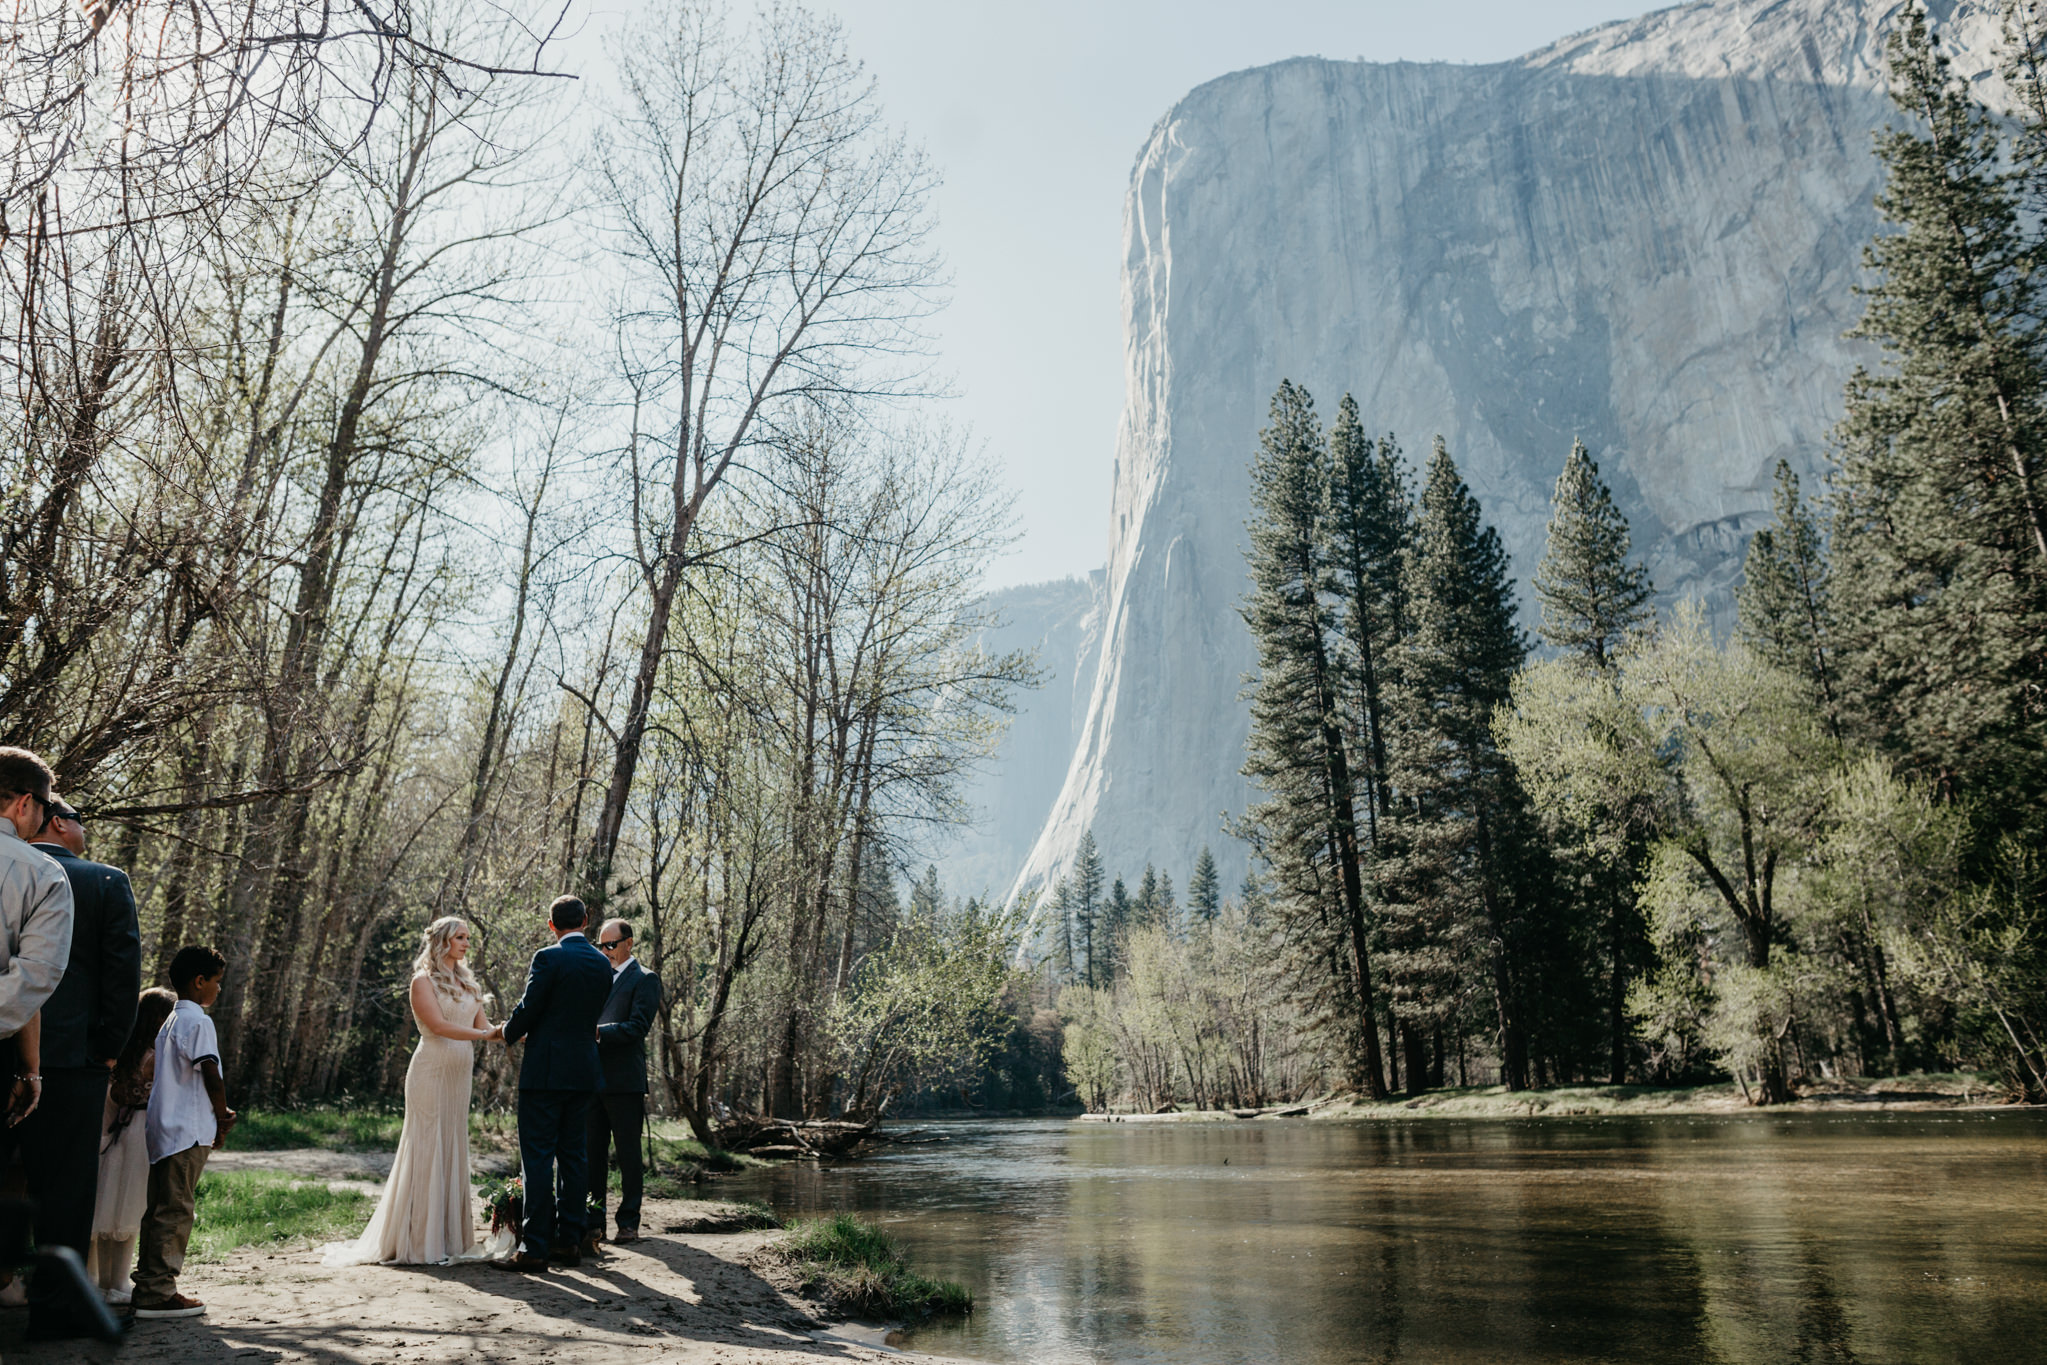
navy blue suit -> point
(619, 1117)
(566, 988)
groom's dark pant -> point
(620, 1117)
(554, 1161)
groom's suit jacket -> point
(622, 1029)
(566, 988)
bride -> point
(424, 1217)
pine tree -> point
(1060, 906)
(1087, 905)
(1204, 888)
(1938, 538)
(1146, 909)
(1593, 600)
(1592, 597)
(1164, 911)
(1305, 826)
(1456, 901)
(1116, 919)
(927, 898)
(1367, 530)
(1782, 599)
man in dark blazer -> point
(85, 1026)
(566, 987)
(620, 1114)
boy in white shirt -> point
(188, 1118)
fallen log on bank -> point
(760, 1136)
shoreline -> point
(1895, 1094)
(683, 1298)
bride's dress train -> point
(427, 1213)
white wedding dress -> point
(427, 1215)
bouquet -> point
(504, 1200)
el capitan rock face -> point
(1646, 236)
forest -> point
(1651, 845)
(415, 508)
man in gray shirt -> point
(35, 895)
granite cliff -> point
(1646, 236)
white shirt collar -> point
(620, 968)
(573, 933)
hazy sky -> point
(1033, 111)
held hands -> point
(27, 1094)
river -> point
(1831, 1237)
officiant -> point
(620, 1114)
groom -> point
(565, 992)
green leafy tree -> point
(1939, 541)
(1748, 763)
(1304, 825)
(1783, 597)
(1204, 888)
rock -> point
(1646, 236)
(1010, 795)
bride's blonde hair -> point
(433, 958)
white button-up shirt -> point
(35, 928)
(180, 1112)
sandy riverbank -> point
(1943, 1091)
(683, 1298)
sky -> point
(1033, 112)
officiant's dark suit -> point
(566, 987)
(620, 1115)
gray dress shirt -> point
(35, 928)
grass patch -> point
(245, 1208)
(860, 1270)
(357, 1127)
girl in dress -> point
(124, 1155)
(425, 1216)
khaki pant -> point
(167, 1226)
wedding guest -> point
(620, 1113)
(35, 903)
(188, 1118)
(21, 1102)
(123, 1191)
(85, 1025)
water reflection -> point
(1737, 1240)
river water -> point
(1836, 1237)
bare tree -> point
(771, 236)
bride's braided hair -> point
(433, 959)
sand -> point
(687, 1298)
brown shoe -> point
(593, 1244)
(524, 1262)
(625, 1234)
(176, 1306)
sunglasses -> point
(613, 943)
